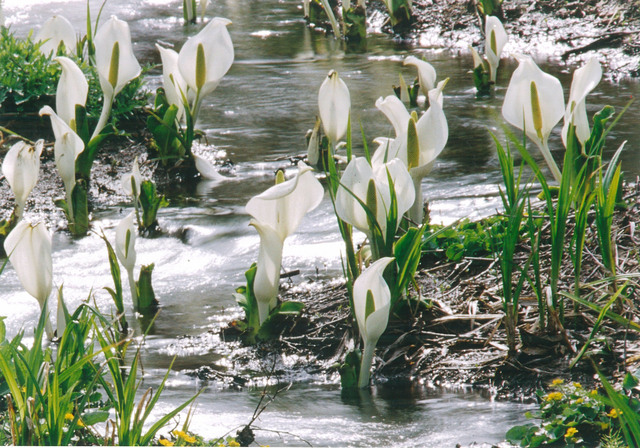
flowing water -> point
(258, 117)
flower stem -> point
(263, 311)
(365, 365)
(416, 210)
(546, 153)
(134, 289)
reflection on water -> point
(259, 115)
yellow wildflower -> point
(184, 436)
(577, 385)
(557, 382)
(233, 443)
(579, 400)
(554, 396)
(571, 432)
(593, 393)
(614, 413)
(69, 416)
(604, 425)
(165, 442)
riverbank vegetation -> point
(538, 300)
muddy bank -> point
(458, 338)
(565, 32)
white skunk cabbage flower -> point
(126, 241)
(477, 60)
(115, 61)
(72, 90)
(126, 251)
(206, 169)
(131, 181)
(372, 304)
(419, 144)
(395, 111)
(585, 79)
(67, 148)
(534, 102)
(371, 186)
(205, 58)
(21, 167)
(203, 8)
(426, 73)
(334, 104)
(29, 249)
(496, 39)
(277, 213)
(175, 87)
(54, 31)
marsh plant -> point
(571, 415)
(21, 168)
(146, 199)
(76, 146)
(583, 182)
(188, 77)
(276, 213)
(63, 396)
(190, 9)
(485, 70)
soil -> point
(458, 337)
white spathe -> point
(206, 169)
(126, 251)
(206, 57)
(21, 166)
(115, 62)
(496, 39)
(426, 73)
(277, 213)
(29, 249)
(432, 132)
(72, 90)
(372, 317)
(67, 148)
(534, 102)
(175, 87)
(334, 105)
(395, 111)
(585, 79)
(355, 183)
(132, 180)
(126, 241)
(54, 31)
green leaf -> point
(150, 202)
(290, 307)
(630, 381)
(519, 433)
(91, 418)
(147, 302)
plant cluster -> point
(27, 77)
(572, 416)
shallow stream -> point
(258, 117)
